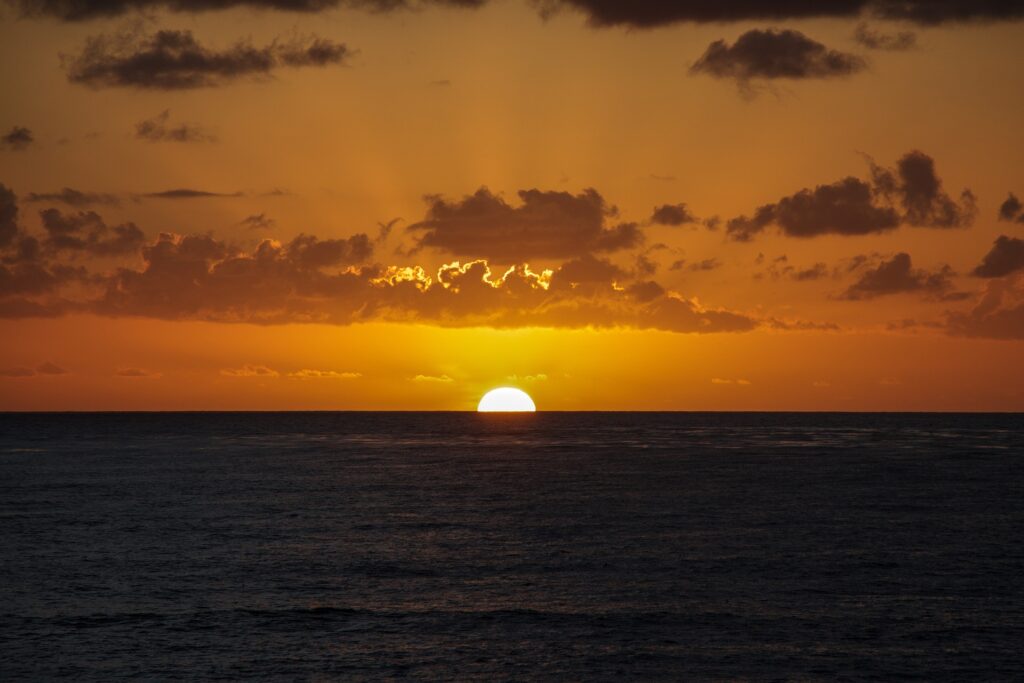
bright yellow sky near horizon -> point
(441, 101)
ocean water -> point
(450, 546)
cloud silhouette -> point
(73, 197)
(1005, 257)
(188, 193)
(1011, 209)
(673, 215)
(8, 215)
(999, 314)
(17, 139)
(158, 129)
(544, 225)
(877, 40)
(86, 231)
(846, 207)
(175, 60)
(910, 194)
(80, 10)
(918, 189)
(652, 13)
(770, 54)
(898, 276)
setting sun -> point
(506, 400)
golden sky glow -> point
(463, 198)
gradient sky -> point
(228, 204)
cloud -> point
(17, 139)
(258, 221)
(8, 215)
(653, 13)
(250, 371)
(86, 231)
(738, 382)
(856, 207)
(136, 373)
(175, 60)
(157, 129)
(897, 276)
(673, 215)
(20, 371)
(846, 207)
(333, 281)
(999, 314)
(80, 10)
(74, 198)
(918, 188)
(544, 225)
(49, 368)
(634, 14)
(188, 193)
(432, 379)
(877, 40)
(1005, 257)
(1011, 209)
(769, 54)
(324, 374)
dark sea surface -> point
(559, 546)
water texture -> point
(554, 546)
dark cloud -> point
(705, 265)
(846, 207)
(49, 368)
(74, 198)
(175, 60)
(635, 13)
(897, 276)
(673, 214)
(999, 314)
(158, 129)
(918, 189)
(780, 268)
(815, 272)
(544, 225)
(308, 252)
(1005, 257)
(79, 10)
(877, 40)
(1011, 209)
(17, 139)
(933, 12)
(652, 13)
(258, 221)
(188, 193)
(586, 270)
(86, 231)
(769, 54)
(8, 215)
(197, 277)
(856, 207)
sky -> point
(400, 204)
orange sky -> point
(871, 281)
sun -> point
(506, 400)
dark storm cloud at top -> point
(635, 13)
(175, 60)
(79, 10)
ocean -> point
(548, 546)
